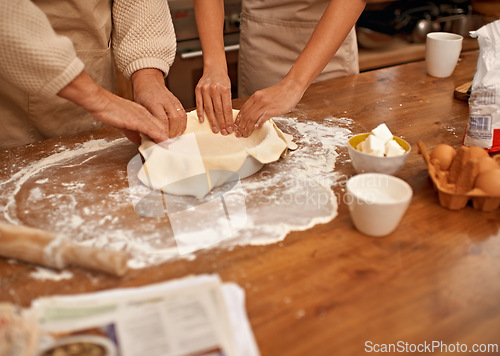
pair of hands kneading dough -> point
(199, 160)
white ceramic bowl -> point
(367, 163)
(377, 202)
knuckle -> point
(176, 115)
(204, 89)
(259, 94)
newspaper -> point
(193, 316)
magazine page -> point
(189, 316)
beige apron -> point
(274, 33)
(29, 118)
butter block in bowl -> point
(378, 151)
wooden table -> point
(330, 289)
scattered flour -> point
(49, 274)
(292, 194)
(26, 173)
(35, 194)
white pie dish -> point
(200, 160)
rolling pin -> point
(46, 249)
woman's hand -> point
(213, 92)
(332, 29)
(213, 97)
(150, 91)
(265, 104)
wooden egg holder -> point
(450, 199)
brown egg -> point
(477, 152)
(444, 154)
(486, 163)
(489, 182)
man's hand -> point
(150, 91)
(114, 110)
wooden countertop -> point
(398, 52)
(329, 289)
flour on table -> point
(49, 274)
(32, 170)
(68, 193)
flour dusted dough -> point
(200, 160)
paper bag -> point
(483, 128)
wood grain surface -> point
(400, 51)
(329, 290)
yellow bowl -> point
(367, 163)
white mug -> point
(442, 50)
(377, 202)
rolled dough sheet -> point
(199, 160)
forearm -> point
(114, 110)
(210, 24)
(85, 92)
(143, 78)
(331, 31)
(143, 36)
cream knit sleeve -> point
(143, 35)
(32, 56)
